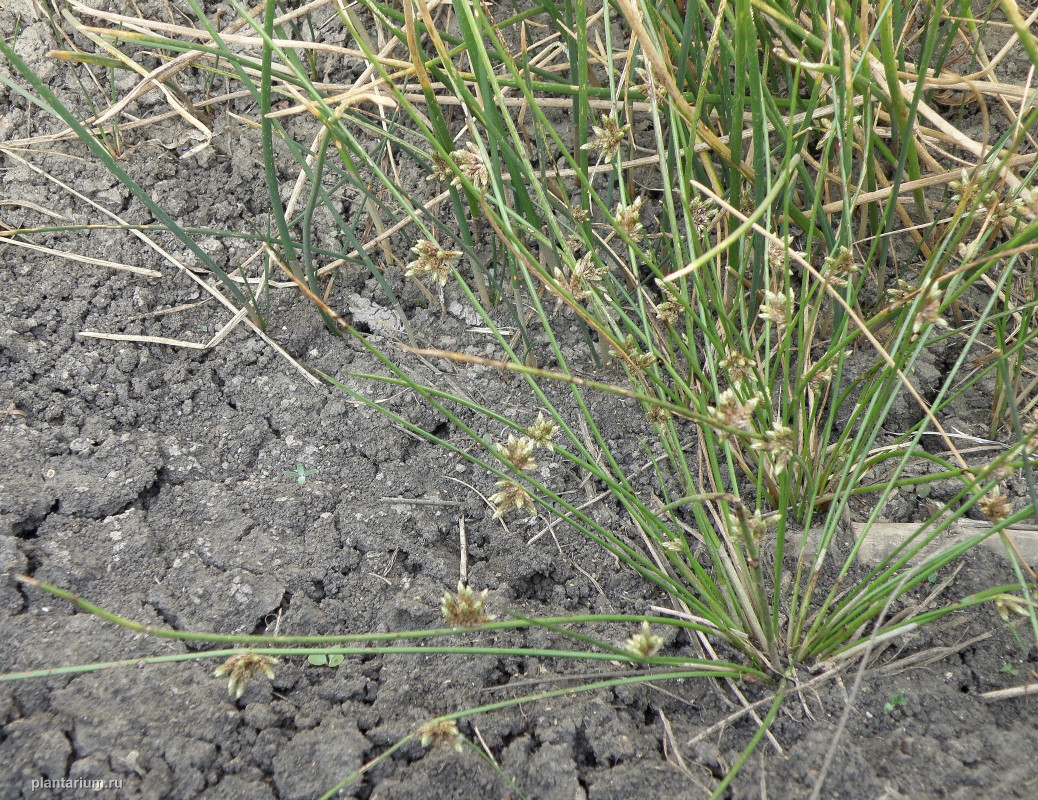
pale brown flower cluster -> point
(242, 668)
(608, 137)
(629, 219)
(466, 609)
(432, 260)
(732, 412)
(584, 277)
(644, 643)
(471, 164)
(517, 451)
(929, 312)
(777, 309)
(778, 443)
(443, 733)
(629, 351)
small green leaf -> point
(1009, 669)
(325, 660)
(300, 473)
(896, 701)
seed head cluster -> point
(584, 277)
(702, 213)
(466, 609)
(644, 643)
(995, 505)
(443, 733)
(629, 219)
(242, 668)
(839, 267)
(432, 260)
(441, 168)
(670, 310)
(542, 431)
(650, 85)
(778, 443)
(776, 309)
(629, 351)
(738, 367)
(1006, 604)
(511, 497)
(608, 137)
(929, 312)
(517, 451)
(1027, 203)
(732, 412)
(658, 415)
(471, 164)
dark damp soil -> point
(152, 481)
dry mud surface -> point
(151, 480)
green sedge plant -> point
(749, 215)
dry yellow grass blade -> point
(97, 262)
(907, 187)
(218, 337)
(175, 98)
(150, 27)
(152, 80)
(961, 140)
(967, 83)
(664, 73)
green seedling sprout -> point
(300, 473)
(326, 659)
(897, 700)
